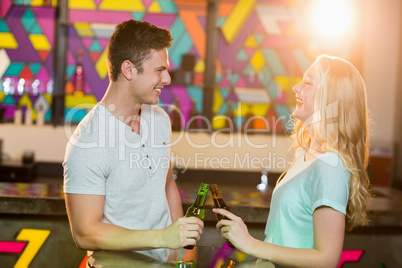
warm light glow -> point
(332, 18)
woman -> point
(325, 190)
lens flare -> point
(332, 18)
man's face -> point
(149, 83)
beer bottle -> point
(220, 203)
(197, 208)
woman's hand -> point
(234, 230)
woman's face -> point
(305, 95)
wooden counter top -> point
(246, 201)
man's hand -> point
(184, 231)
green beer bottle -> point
(197, 208)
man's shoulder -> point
(153, 109)
(88, 128)
(155, 113)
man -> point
(118, 182)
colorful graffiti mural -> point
(261, 48)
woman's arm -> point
(329, 228)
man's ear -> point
(128, 70)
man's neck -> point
(122, 107)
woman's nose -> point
(296, 88)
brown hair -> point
(133, 41)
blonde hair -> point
(340, 124)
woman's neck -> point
(315, 149)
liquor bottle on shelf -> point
(78, 78)
(193, 118)
(28, 115)
(18, 116)
(220, 203)
(40, 116)
(175, 115)
(197, 208)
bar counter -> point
(385, 209)
(200, 256)
(29, 207)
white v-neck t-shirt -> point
(106, 157)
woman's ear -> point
(128, 70)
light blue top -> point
(322, 181)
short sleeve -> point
(330, 184)
(85, 170)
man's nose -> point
(166, 79)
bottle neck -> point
(218, 199)
(216, 194)
(200, 200)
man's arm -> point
(86, 211)
(173, 196)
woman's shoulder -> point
(331, 162)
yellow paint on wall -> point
(124, 5)
(101, 66)
(242, 109)
(39, 42)
(286, 83)
(25, 100)
(36, 3)
(237, 18)
(258, 61)
(218, 100)
(259, 109)
(83, 29)
(282, 82)
(7, 41)
(250, 42)
(36, 239)
(155, 7)
(2, 96)
(49, 98)
(200, 66)
(218, 122)
(86, 101)
(81, 4)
